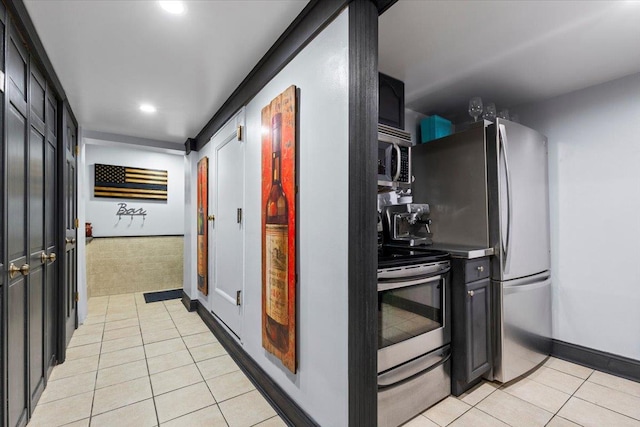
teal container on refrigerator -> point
(434, 127)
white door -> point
(228, 228)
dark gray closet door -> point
(50, 232)
(70, 212)
(17, 222)
(37, 260)
(3, 275)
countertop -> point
(459, 251)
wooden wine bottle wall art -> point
(279, 227)
(203, 199)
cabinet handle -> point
(480, 268)
(471, 293)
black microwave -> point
(394, 157)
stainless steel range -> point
(413, 331)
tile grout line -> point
(95, 384)
(495, 418)
(522, 400)
(146, 362)
(609, 409)
(182, 337)
(114, 409)
(584, 380)
(563, 405)
(199, 373)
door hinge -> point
(238, 297)
(77, 297)
(239, 215)
(77, 223)
(77, 150)
(239, 133)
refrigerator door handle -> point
(527, 287)
(505, 244)
(528, 283)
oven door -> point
(413, 318)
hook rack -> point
(132, 212)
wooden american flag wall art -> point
(125, 182)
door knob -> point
(471, 293)
(480, 268)
(44, 257)
(13, 270)
(68, 240)
(211, 217)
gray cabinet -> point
(471, 323)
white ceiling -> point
(507, 52)
(111, 56)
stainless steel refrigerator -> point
(488, 187)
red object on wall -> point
(279, 123)
(203, 190)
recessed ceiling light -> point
(147, 108)
(174, 7)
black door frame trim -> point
(4, 312)
(602, 361)
(362, 292)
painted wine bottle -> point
(277, 247)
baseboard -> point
(596, 359)
(288, 410)
(190, 305)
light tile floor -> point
(557, 394)
(137, 364)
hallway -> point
(138, 364)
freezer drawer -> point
(523, 325)
(406, 391)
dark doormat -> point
(162, 295)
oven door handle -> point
(405, 373)
(385, 286)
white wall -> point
(80, 245)
(594, 176)
(320, 71)
(163, 217)
(190, 270)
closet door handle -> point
(13, 271)
(44, 257)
